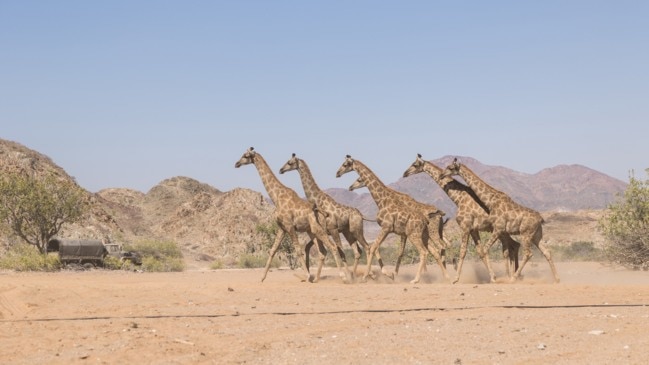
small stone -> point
(596, 332)
(541, 346)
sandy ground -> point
(597, 314)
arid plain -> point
(597, 314)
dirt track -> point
(598, 314)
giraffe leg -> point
(335, 236)
(510, 254)
(356, 234)
(463, 248)
(374, 248)
(307, 251)
(527, 254)
(484, 255)
(355, 247)
(536, 240)
(342, 267)
(402, 251)
(438, 258)
(300, 254)
(278, 240)
(484, 252)
(423, 257)
(544, 250)
(322, 255)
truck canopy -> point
(79, 249)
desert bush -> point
(577, 251)
(217, 265)
(626, 226)
(158, 256)
(249, 261)
(25, 257)
(114, 263)
(286, 249)
(153, 264)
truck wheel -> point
(88, 266)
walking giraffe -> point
(472, 216)
(293, 215)
(394, 216)
(338, 218)
(506, 216)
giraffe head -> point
(452, 169)
(359, 183)
(292, 164)
(346, 167)
(247, 158)
(416, 167)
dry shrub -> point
(25, 257)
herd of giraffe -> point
(481, 208)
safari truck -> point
(89, 253)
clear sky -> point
(129, 93)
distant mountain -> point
(559, 188)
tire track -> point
(382, 311)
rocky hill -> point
(210, 224)
(204, 221)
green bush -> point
(114, 263)
(578, 251)
(158, 256)
(269, 231)
(25, 257)
(626, 226)
(216, 265)
(249, 261)
(152, 264)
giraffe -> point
(506, 216)
(394, 216)
(435, 224)
(472, 216)
(292, 213)
(338, 218)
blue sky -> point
(128, 93)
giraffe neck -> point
(378, 190)
(484, 191)
(311, 188)
(273, 186)
(451, 187)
